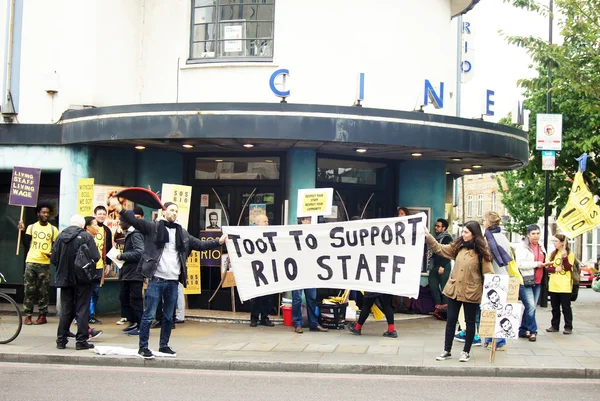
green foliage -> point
(575, 92)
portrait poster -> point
(256, 209)
(213, 219)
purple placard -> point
(211, 257)
(24, 186)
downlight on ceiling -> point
(140, 147)
(361, 150)
(416, 154)
(476, 166)
(248, 145)
(187, 146)
(219, 160)
(456, 159)
(467, 170)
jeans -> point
(562, 300)
(530, 295)
(166, 290)
(95, 295)
(470, 316)
(311, 305)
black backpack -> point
(85, 267)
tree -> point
(575, 91)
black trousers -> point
(560, 300)
(261, 306)
(386, 303)
(471, 310)
(74, 303)
(132, 303)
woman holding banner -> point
(465, 285)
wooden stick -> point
(493, 354)
(232, 299)
(19, 236)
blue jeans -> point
(530, 294)
(311, 305)
(95, 295)
(157, 289)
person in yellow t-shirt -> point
(38, 238)
(561, 284)
(104, 242)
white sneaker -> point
(464, 357)
(122, 321)
(443, 356)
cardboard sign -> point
(580, 214)
(314, 202)
(85, 197)
(24, 186)
(229, 280)
(499, 317)
(193, 274)
(378, 255)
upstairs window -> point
(232, 30)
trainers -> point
(82, 346)
(145, 353)
(461, 336)
(135, 332)
(443, 356)
(464, 357)
(93, 333)
(253, 323)
(94, 320)
(28, 321)
(354, 330)
(122, 321)
(41, 320)
(267, 322)
(167, 350)
(391, 334)
(476, 342)
(131, 326)
(179, 321)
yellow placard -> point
(182, 196)
(193, 274)
(487, 323)
(580, 213)
(85, 197)
(314, 201)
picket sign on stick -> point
(24, 190)
(19, 236)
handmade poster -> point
(495, 291)
(213, 219)
(24, 186)
(85, 196)
(255, 209)
(508, 321)
(378, 255)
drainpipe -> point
(8, 105)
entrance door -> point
(217, 206)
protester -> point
(38, 238)
(402, 211)
(440, 266)
(368, 301)
(131, 279)
(560, 284)
(465, 285)
(531, 257)
(500, 248)
(104, 243)
(166, 248)
(310, 294)
(261, 306)
(74, 296)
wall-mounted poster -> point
(213, 219)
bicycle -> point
(11, 320)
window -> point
(237, 168)
(479, 205)
(350, 171)
(230, 30)
(470, 206)
(494, 200)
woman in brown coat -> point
(465, 286)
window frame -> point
(217, 40)
(469, 205)
(480, 198)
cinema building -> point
(244, 101)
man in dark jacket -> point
(131, 280)
(74, 297)
(166, 248)
(440, 266)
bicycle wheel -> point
(11, 321)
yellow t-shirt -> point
(42, 238)
(561, 281)
(99, 239)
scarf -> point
(468, 245)
(499, 254)
(162, 235)
(440, 236)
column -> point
(301, 172)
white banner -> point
(380, 255)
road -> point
(60, 382)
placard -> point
(500, 318)
(193, 274)
(24, 186)
(85, 197)
(181, 195)
(210, 257)
(314, 202)
(580, 214)
(378, 255)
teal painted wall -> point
(301, 168)
(423, 184)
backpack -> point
(85, 267)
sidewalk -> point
(216, 344)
